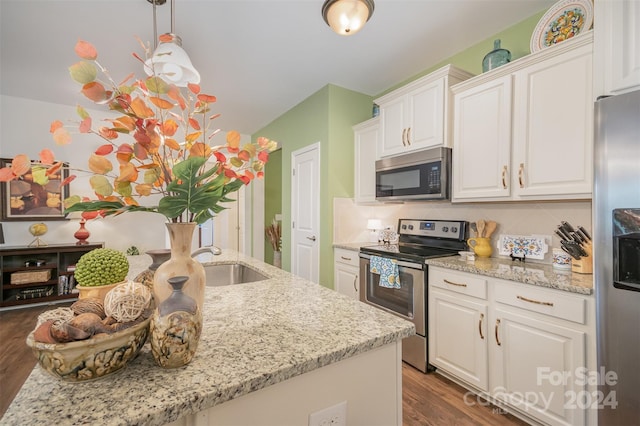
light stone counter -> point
(353, 246)
(538, 274)
(255, 335)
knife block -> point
(584, 265)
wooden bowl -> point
(93, 358)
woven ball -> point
(63, 314)
(127, 301)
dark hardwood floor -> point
(427, 399)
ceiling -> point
(259, 58)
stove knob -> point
(411, 227)
(454, 229)
(445, 229)
(404, 226)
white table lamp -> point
(374, 225)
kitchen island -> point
(271, 352)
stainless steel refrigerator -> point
(616, 237)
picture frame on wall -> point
(23, 199)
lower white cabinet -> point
(346, 272)
(524, 347)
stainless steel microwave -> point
(421, 175)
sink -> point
(235, 273)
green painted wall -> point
(327, 117)
(272, 196)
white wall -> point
(516, 218)
(24, 129)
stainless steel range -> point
(418, 240)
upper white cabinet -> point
(617, 41)
(366, 137)
(524, 131)
(417, 115)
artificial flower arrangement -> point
(168, 154)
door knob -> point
(312, 238)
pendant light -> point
(169, 60)
(347, 17)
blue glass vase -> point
(496, 57)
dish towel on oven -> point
(388, 271)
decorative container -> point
(481, 246)
(25, 277)
(277, 259)
(176, 327)
(496, 57)
(90, 359)
(98, 292)
(158, 257)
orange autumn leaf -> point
(206, 98)
(124, 122)
(200, 149)
(244, 155)
(192, 137)
(214, 116)
(61, 136)
(194, 123)
(20, 164)
(123, 157)
(172, 144)
(233, 139)
(128, 173)
(140, 108)
(99, 164)
(143, 189)
(125, 148)
(94, 91)
(86, 50)
(263, 156)
(130, 201)
(160, 103)
(195, 88)
(166, 38)
(46, 156)
(108, 133)
(169, 127)
(105, 149)
(54, 169)
(6, 174)
(55, 126)
(68, 180)
(248, 174)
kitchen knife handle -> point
(584, 231)
(520, 175)
(504, 177)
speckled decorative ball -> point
(101, 266)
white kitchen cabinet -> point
(346, 272)
(417, 115)
(366, 137)
(458, 326)
(525, 347)
(617, 41)
(524, 131)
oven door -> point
(408, 301)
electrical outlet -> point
(336, 415)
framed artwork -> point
(24, 199)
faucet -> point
(208, 249)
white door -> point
(305, 206)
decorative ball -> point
(63, 314)
(38, 229)
(101, 266)
(127, 301)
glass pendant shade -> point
(171, 63)
(347, 17)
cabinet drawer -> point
(468, 284)
(348, 257)
(548, 302)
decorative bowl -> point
(90, 359)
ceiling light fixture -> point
(169, 60)
(347, 17)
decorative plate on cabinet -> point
(564, 20)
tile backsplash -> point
(515, 218)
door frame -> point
(294, 154)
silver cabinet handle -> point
(345, 258)
(456, 284)
(312, 238)
(496, 329)
(409, 136)
(355, 279)
(404, 133)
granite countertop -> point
(354, 246)
(254, 335)
(539, 274)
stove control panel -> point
(454, 229)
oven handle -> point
(402, 263)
